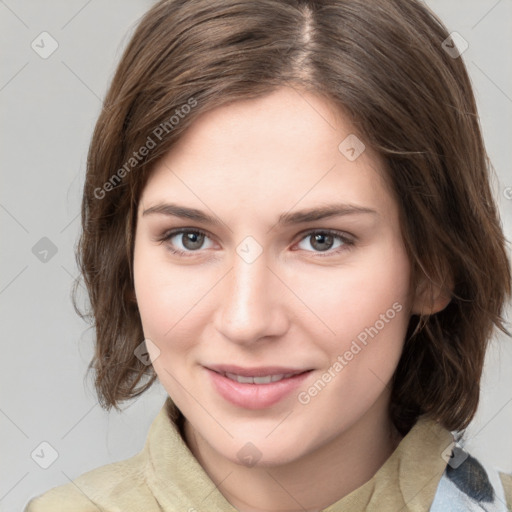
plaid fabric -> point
(467, 486)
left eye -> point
(322, 241)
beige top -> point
(166, 477)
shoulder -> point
(506, 480)
(469, 484)
(120, 484)
(60, 499)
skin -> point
(295, 305)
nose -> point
(251, 303)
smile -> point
(259, 391)
(258, 380)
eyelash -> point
(348, 243)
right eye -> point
(184, 241)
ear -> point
(130, 296)
(432, 297)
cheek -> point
(365, 300)
(155, 302)
(168, 298)
(367, 308)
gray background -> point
(49, 108)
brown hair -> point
(383, 63)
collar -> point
(407, 481)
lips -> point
(261, 371)
(254, 388)
(267, 379)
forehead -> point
(277, 150)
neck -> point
(318, 479)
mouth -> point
(255, 388)
(258, 380)
(259, 375)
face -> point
(264, 247)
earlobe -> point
(430, 297)
(130, 296)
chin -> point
(263, 454)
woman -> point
(287, 220)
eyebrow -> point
(288, 218)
